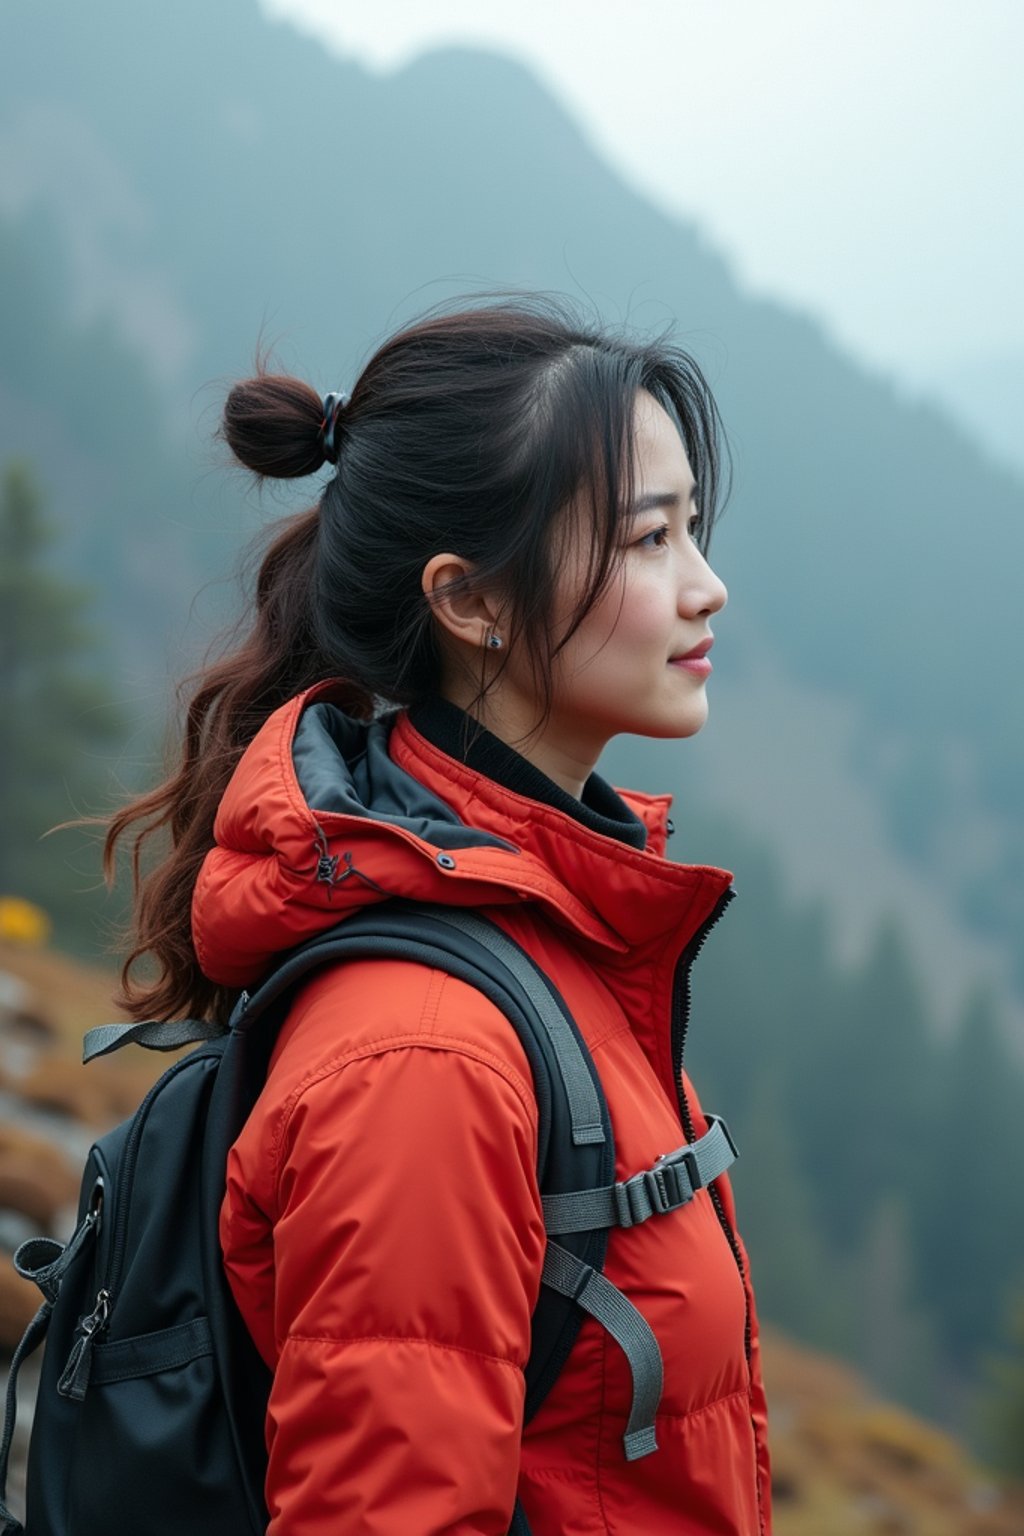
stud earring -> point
(494, 641)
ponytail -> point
(272, 426)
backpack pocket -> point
(169, 1349)
(157, 1390)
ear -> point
(466, 613)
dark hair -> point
(471, 430)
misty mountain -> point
(212, 179)
(986, 390)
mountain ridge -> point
(257, 183)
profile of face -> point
(638, 661)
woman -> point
(505, 570)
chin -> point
(668, 725)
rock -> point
(36, 1179)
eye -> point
(656, 539)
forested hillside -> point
(213, 177)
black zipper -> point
(681, 997)
(681, 992)
(75, 1379)
(125, 1179)
(126, 1171)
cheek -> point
(649, 612)
(641, 613)
(628, 623)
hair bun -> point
(277, 426)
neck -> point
(554, 752)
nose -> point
(701, 590)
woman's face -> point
(638, 661)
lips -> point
(698, 651)
(696, 661)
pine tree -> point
(970, 1207)
(56, 714)
(1003, 1405)
(798, 1284)
(897, 1344)
(864, 1090)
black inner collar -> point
(454, 732)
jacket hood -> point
(326, 814)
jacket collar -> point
(618, 897)
(456, 734)
(326, 814)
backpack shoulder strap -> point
(576, 1154)
(475, 951)
(575, 1145)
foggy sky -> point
(859, 158)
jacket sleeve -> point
(408, 1243)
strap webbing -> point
(584, 1109)
(568, 1275)
(154, 1035)
(31, 1339)
(44, 1261)
(671, 1183)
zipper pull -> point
(74, 1381)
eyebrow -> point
(656, 499)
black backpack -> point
(151, 1404)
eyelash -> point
(692, 528)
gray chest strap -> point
(672, 1182)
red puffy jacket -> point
(382, 1227)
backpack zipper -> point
(126, 1173)
(681, 999)
(74, 1380)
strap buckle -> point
(672, 1164)
(655, 1187)
(654, 1192)
(676, 1176)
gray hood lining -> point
(344, 768)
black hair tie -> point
(334, 404)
